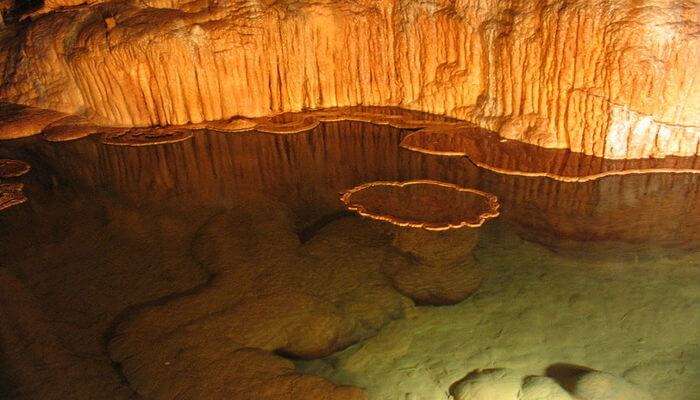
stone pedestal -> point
(438, 267)
(436, 248)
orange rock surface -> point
(146, 137)
(434, 226)
(19, 121)
(425, 204)
(615, 79)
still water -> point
(171, 271)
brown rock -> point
(422, 204)
(437, 248)
(13, 168)
(434, 284)
(11, 195)
(436, 225)
(146, 137)
(70, 128)
(487, 150)
(227, 335)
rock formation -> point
(422, 204)
(192, 104)
(613, 79)
(13, 168)
(433, 223)
(228, 335)
(146, 137)
(507, 384)
(11, 194)
(19, 121)
(212, 312)
(487, 150)
(596, 385)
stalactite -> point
(613, 79)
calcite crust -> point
(615, 79)
(13, 168)
(11, 195)
(423, 204)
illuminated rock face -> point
(614, 79)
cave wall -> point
(610, 78)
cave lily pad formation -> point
(436, 224)
(12, 194)
(13, 168)
(424, 204)
(614, 79)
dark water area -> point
(127, 258)
(307, 170)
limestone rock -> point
(33, 355)
(597, 385)
(489, 384)
(19, 121)
(438, 249)
(507, 384)
(70, 128)
(10, 168)
(146, 137)
(487, 150)
(610, 78)
(11, 194)
(434, 284)
(542, 388)
(228, 335)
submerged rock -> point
(434, 285)
(489, 384)
(13, 168)
(597, 385)
(507, 384)
(11, 194)
(434, 223)
(269, 297)
(542, 388)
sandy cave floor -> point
(628, 310)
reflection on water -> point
(126, 259)
(307, 171)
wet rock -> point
(11, 194)
(13, 168)
(269, 295)
(489, 384)
(434, 285)
(440, 249)
(542, 388)
(598, 385)
(17, 121)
